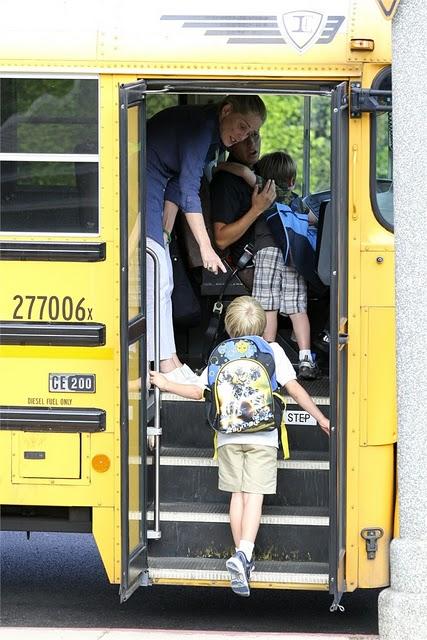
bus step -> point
(212, 572)
(184, 422)
(299, 482)
(201, 456)
(203, 530)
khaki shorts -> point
(247, 467)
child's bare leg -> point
(236, 513)
(270, 330)
(301, 327)
(251, 518)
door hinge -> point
(144, 579)
(368, 100)
(371, 535)
(153, 534)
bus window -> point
(159, 102)
(320, 144)
(49, 155)
(382, 158)
(284, 129)
(300, 125)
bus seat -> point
(191, 246)
(324, 243)
(211, 284)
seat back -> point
(324, 243)
(213, 285)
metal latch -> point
(153, 431)
(368, 100)
(217, 308)
(372, 536)
(154, 534)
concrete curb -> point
(40, 633)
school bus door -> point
(339, 339)
(134, 405)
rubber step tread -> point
(196, 452)
(192, 507)
(213, 570)
(218, 564)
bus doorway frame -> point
(338, 355)
(134, 94)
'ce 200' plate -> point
(72, 382)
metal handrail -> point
(156, 430)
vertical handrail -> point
(156, 430)
(306, 142)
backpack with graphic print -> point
(242, 393)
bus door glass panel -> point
(382, 156)
(136, 532)
(133, 343)
(133, 216)
(338, 343)
(49, 155)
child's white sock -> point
(247, 547)
(305, 353)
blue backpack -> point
(296, 238)
(242, 387)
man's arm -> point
(226, 234)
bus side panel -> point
(378, 386)
(103, 529)
(376, 510)
(378, 412)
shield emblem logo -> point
(302, 28)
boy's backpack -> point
(296, 238)
(242, 393)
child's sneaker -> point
(308, 370)
(240, 572)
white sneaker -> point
(183, 374)
(175, 375)
(188, 374)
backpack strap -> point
(284, 438)
(212, 331)
(215, 446)
(283, 430)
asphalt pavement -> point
(54, 586)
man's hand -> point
(262, 200)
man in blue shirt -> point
(180, 141)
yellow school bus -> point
(77, 83)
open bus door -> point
(133, 364)
(338, 345)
